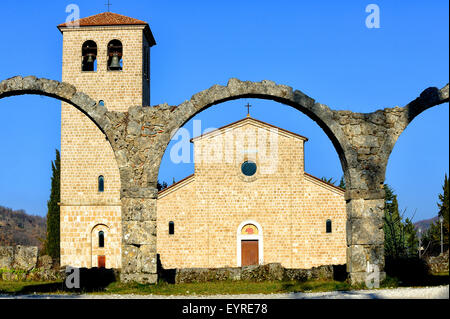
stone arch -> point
(429, 98)
(59, 90)
(266, 90)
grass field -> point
(207, 288)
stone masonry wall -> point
(140, 136)
(292, 208)
(86, 154)
(18, 257)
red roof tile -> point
(106, 18)
(112, 19)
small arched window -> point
(328, 226)
(89, 53)
(101, 184)
(101, 239)
(115, 56)
(171, 228)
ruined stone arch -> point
(59, 90)
(266, 90)
(140, 137)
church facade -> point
(248, 202)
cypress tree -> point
(52, 242)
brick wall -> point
(85, 153)
(290, 206)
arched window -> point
(328, 225)
(171, 228)
(89, 53)
(101, 184)
(101, 239)
(115, 56)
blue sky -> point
(322, 48)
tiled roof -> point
(106, 18)
(112, 19)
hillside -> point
(19, 228)
(425, 223)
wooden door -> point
(101, 261)
(249, 253)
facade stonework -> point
(85, 152)
(291, 207)
(139, 135)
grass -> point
(27, 287)
(210, 288)
(225, 287)
(163, 288)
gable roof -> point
(325, 182)
(255, 121)
(112, 19)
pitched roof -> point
(111, 19)
(106, 18)
(250, 119)
(175, 184)
(325, 182)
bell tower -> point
(106, 56)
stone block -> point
(139, 233)
(361, 208)
(139, 278)
(365, 231)
(25, 258)
(6, 257)
(359, 255)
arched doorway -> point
(250, 244)
(100, 246)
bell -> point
(90, 58)
(115, 63)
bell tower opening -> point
(89, 53)
(115, 54)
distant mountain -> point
(425, 223)
(19, 228)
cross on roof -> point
(108, 5)
(248, 106)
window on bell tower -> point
(115, 56)
(89, 53)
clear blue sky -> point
(320, 47)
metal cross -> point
(108, 5)
(248, 106)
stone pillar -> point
(365, 238)
(139, 259)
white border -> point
(241, 237)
